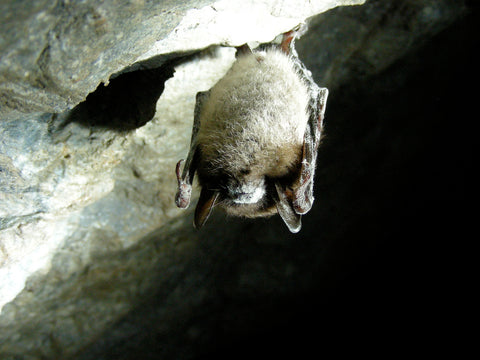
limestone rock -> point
(368, 44)
(64, 169)
(55, 54)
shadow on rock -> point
(126, 103)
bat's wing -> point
(284, 204)
(293, 202)
(303, 192)
(185, 178)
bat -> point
(255, 138)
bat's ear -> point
(286, 210)
(204, 208)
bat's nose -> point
(247, 194)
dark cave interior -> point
(406, 150)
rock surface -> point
(95, 260)
(89, 167)
(55, 53)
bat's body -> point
(255, 138)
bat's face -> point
(239, 194)
(244, 190)
(249, 189)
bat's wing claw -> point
(184, 192)
(182, 198)
(285, 208)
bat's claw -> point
(290, 36)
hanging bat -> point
(255, 138)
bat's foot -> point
(243, 50)
(287, 41)
(290, 36)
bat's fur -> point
(255, 115)
(252, 126)
(255, 138)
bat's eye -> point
(245, 171)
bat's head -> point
(244, 184)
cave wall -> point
(67, 173)
(97, 263)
